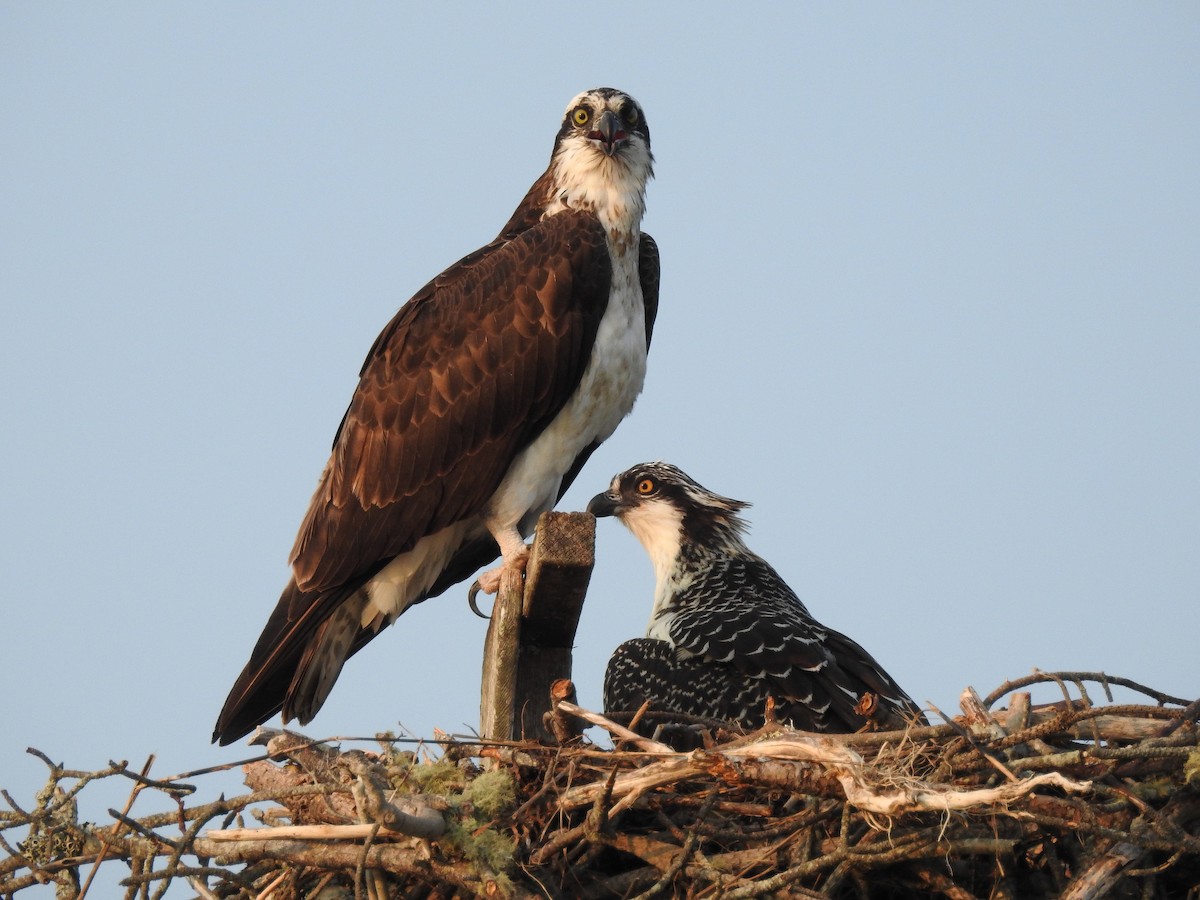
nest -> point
(1065, 800)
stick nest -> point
(1066, 800)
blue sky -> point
(929, 302)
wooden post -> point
(533, 626)
(500, 651)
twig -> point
(783, 813)
(303, 833)
(1040, 677)
(104, 845)
(613, 728)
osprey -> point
(475, 409)
(726, 632)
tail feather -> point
(865, 674)
(276, 665)
(308, 639)
(334, 641)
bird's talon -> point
(472, 594)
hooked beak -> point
(609, 133)
(604, 505)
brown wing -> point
(463, 378)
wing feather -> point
(743, 615)
(464, 377)
(648, 272)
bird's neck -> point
(708, 538)
(615, 194)
(677, 569)
(612, 188)
(659, 529)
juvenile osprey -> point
(726, 631)
(475, 409)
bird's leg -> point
(516, 555)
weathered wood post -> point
(532, 631)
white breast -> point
(610, 385)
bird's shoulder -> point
(560, 256)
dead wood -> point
(1067, 800)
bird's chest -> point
(612, 378)
(610, 383)
(617, 369)
(670, 586)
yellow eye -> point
(581, 116)
(630, 114)
(646, 486)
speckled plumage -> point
(726, 631)
(475, 409)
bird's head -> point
(608, 123)
(602, 157)
(667, 511)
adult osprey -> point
(475, 409)
(726, 632)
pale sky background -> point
(929, 301)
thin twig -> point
(104, 846)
